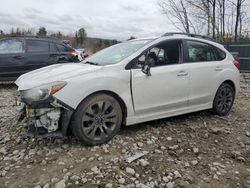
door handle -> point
(53, 55)
(182, 73)
(218, 68)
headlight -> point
(42, 92)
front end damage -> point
(49, 118)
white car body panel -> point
(165, 94)
(152, 97)
(53, 73)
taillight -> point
(237, 64)
(73, 53)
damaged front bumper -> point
(49, 118)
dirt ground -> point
(193, 150)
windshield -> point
(116, 53)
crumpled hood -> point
(53, 73)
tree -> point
(59, 35)
(82, 35)
(12, 32)
(225, 19)
(237, 17)
(76, 38)
(177, 13)
(42, 32)
(1, 32)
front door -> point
(166, 89)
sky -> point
(111, 19)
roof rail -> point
(189, 35)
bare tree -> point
(224, 19)
(237, 17)
(177, 13)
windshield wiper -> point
(92, 63)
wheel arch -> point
(227, 81)
(230, 82)
(111, 93)
(116, 96)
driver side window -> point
(165, 53)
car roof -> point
(183, 36)
(48, 39)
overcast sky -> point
(113, 19)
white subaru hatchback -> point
(128, 83)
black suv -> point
(22, 54)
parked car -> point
(129, 83)
(22, 54)
(82, 54)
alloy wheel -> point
(225, 99)
(99, 120)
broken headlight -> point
(42, 92)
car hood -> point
(53, 73)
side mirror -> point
(146, 70)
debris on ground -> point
(192, 150)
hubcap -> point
(225, 99)
(99, 120)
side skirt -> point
(154, 116)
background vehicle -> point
(131, 82)
(82, 54)
(23, 54)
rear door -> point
(54, 54)
(37, 53)
(12, 59)
(64, 53)
(205, 63)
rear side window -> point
(199, 52)
(11, 46)
(62, 48)
(37, 46)
(220, 55)
(52, 47)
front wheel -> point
(97, 119)
(224, 99)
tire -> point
(97, 119)
(223, 100)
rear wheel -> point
(97, 119)
(224, 99)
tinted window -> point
(62, 48)
(198, 51)
(52, 47)
(37, 46)
(220, 55)
(11, 46)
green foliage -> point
(42, 32)
(82, 35)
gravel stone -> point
(130, 171)
(60, 184)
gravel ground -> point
(193, 150)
